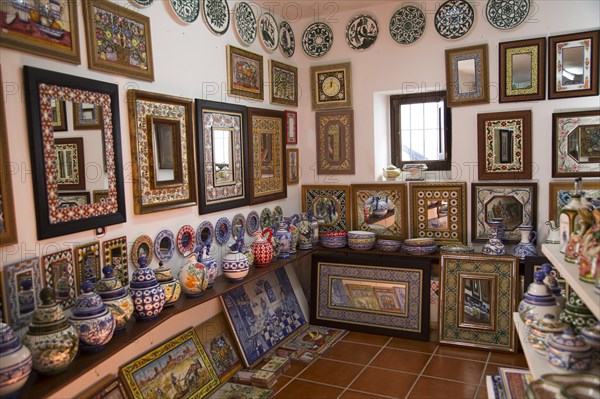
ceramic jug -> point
(527, 245)
(15, 362)
(193, 276)
(495, 246)
(170, 284)
(284, 238)
(211, 265)
(115, 298)
(263, 250)
(553, 233)
(147, 295)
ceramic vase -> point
(51, 338)
(576, 314)
(145, 291)
(15, 363)
(568, 219)
(115, 298)
(527, 245)
(575, 240)
(93, 321)
(284, 238)
(193, 277)
(263, 250)
(305, 232)
(170, 284)
(538, 302)
(568, 352)
(211, 266)
(495, 246)
(235, 266)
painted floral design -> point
(217, 15)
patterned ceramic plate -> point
(317, 40)
(277, 213)
(142, 246)
(245, 23)
(144, 3)
(506, 14)
(216, 15)
(205, 233)
(287, 41)
(407, 25)
(164, 245)
(222, 230)
(361, 32)
(186, 10)
(186, 239)
(238, 223)
(252, 222)
(269, 33)
(454, 19)
(266, 218)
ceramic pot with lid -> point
(591, 335)
(551, 281)
(115, 298)
(145, 291)
(540, 330)
(568, 352)
(538, 301)
(235, 264)
(576, 314)
(170, 284)
(15, 362)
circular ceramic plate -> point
(216, 15)
(186, 10)
(252, 222)
(164, 245)
(454, 19)
(144, 3)
(269, 33)
(317, 40)
(245, 22)
(186, 239)
(222, 230)
(207, 228)
(506, 14)
(238, 224)
(361, 32)
(287, 40)
(266, 218)
(407, 25)
(142, 246)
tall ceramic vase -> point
(495, 246)
(263, 250)
(527, 245)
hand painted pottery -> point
(506, 14)
(526, 247)
(170, 284)
(252, 222)
(589, 251)
(266, 218)
(210, 264)
(222, 230)
(295, 234)
(361, 32)
(315, 224)
(391, 172)
(186, 10)
(379, 206)
(454, 19)
(305, 232)
(553, 233)
(249, 254)
(552, 283)
(568, 219)
(576, 314)
(361, 240)
(407, 25)
(193, 276)
(591, 335)
(93, 321)
(419, 242)
(115, 298)
(147, 295)
(575, 240)
(388, 245)
(245, 22)
(495, 246)
(334, 239)
(287, 40)
(268, 31)
(235, 264)
(263, 250)
(15, 362)
(216, 15)
(284, 237)
(419, 249)
(317, 40)
(568, 352)
(51, 338)
(186, 239)
(538, 302)
(541, 328)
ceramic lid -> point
(550, 279)
(163, 273)
(548, 325)
(49, 316)
(591, 333)
(9, 342)
(568, 342)
(89, 303)
(109, 282)
(144, 277)
(539, 293)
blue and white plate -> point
(454, 19)
(287, 41)
(361, 32)
(252, 222)
(245, 22)
(507, 14)
(164, 245)
(269, 32)
(317, 40)
(186, 10)
(144, 3)
(205, 233)
(222, 230)
(216, 15)
(407, 25)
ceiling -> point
(294, 10)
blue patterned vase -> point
(495, 246)
(15, 363)
(284, 237)
(211, 265)
(145, 291)
(527, 245)
(115, 298)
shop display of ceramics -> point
(454, 19)
(506, 14)
(407, 25)
(193, 276)
(538, 302)
(186, 10)
(317, 40)
(287, 40)
(245, 23)
(268, 32)
(216, 15)
(361, 32)
(568, 352)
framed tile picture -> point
(330, 204)
(576, 144)
(59, 275)
(335, 142)
(291, 126)
(87, 264)
(21, 285)
(244, 73)
(331, 86)
(560, 194)
(284, 83)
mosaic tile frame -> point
(82, 255)
(311, 194)
(563, 162)
(63, 259)
(481, 92)
(397, 202)
(342, 122)
(122, 268)
(11, 275)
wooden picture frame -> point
(504, 145)
(109, 387)
(576, 144)
(58, 273)
(59, 115)
(73, 198)
(560, 193)
(291, 127)
(21, 286)
(569, 54)
(87, 116)
(389, 296)
(152, 115)
(266, 149)
(330, 204)
(467, 76)
(331, 86)
(439, 211)
(244, 73)
(284, 83)
(293, 169)
(515, 202)
(472, 318)
(192, 370)
(381, 209)
(87, 264)
(115, 255)
(127, 50)
(523, 70)
(70, 164)
(222, 156)
(8, 227)
(60, 42)
(335, 142)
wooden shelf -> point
(570, 272)
(538, 365)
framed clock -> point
(331, 86)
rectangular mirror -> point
(165, 136)
(478, 297)
(335, 141)
(576, 144)
(523, 70)
(467, 75)
(8, 228)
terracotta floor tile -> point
(491, 369)
(400, 360)
(455, 369)
(281, 381)
(299, 389)
(350, 394)
(384, 382)
(463, 353)
(331, 372)
(412, 345)
(481, 392)
(509, 359)
(431, 388)
(351, 352)
(364, 338)
(295, 369)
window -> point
(421, 130)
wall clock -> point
(331, 86)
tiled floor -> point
(365, 366)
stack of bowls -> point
(361, 240)
(388, 245)
(419, 246)
(334, 239)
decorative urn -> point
(538, 301)
(145, 291)
(115, 298)
(284, 238)
(93, 321)
(15, 363)
(263, 250)
(51, 338)
(568, 352)
(495, 246)
(193, 276)
(170, 284)
(211, 265)
(527, 245)
(235, 263)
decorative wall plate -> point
(269, 33)
(266, 218)
(222, 230)
(186, 239)
(317, 39)
(205, 233)
(506, 14)
(287, 40)
(454, 19)
(252, 222)
(186, 10)
(142, 246)
(407, 25)
(144, 3)
(164, 245)
(238, 224)
(361, 32)
(245, 22)
(216, 15)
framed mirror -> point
(205, 233)
(164, 245)
(8, 228)
(103, 170)
(523, 70)
(576, 144)
(467, 79)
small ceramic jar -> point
(192, 277)
(115, 298)
(284, 237)
(305, 232)
(538, 301)
(576, 314)
(15, 362)
(93, 321)
(169, 284)
(51, 338)
(540, 330)
(235, 266)
(568, 352)
(147, 295)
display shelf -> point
(538, 365)
(570, 272)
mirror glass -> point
(166, 144)
(205, 235)
(573, 64)
(466, 75)
(185, 240)
(583, 144)
(503, 146)
(522, 71)
(334, 142)
(59, 273)
(476, 300)
(116, 255)
(165, 245)
(223, 156)
(266, 155)
(437, 214)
